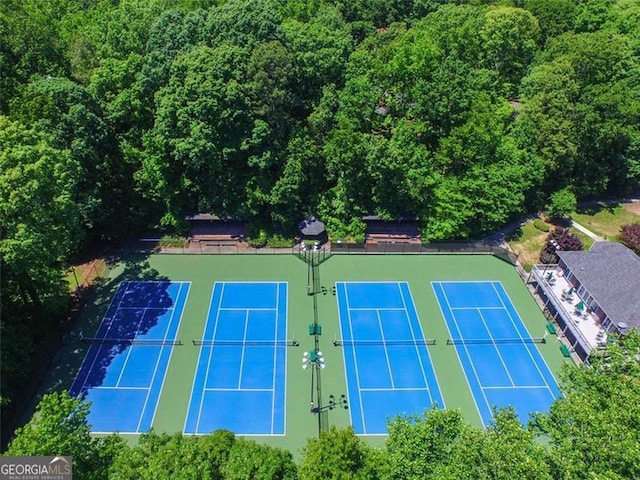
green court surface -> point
(203, 270)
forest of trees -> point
(121, 115)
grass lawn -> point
(527, 241)
(605, 220)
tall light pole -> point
(314, 360)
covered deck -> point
(582, 327)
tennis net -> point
(376, 343)
(492, 341)
(129, 341)
(246, 343)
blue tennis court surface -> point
(240, 379)
(388, 368)
(123, 380)
(499, 374)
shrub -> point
(171, 241)
(630, 236)
(541, 225)
(559, 239)
(279, 241)
(258, 241)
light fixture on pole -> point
(314, 359)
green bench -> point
(565, 350)
(551, 328)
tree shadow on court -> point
(144, 305)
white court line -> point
(195, 377)
(244, 341)
(344, 354)
(462, 282)
(108, 329)
(120, 388)
(355, 361)
(236, 309)
(215, 389)
(184, 307)
(446, 323)
(386, 353)
(477, 308)
(515, 387)
(284, 373)
(466, 349)
(377, 309)
(275, 357)
(155, 370)
(495, 347)
(413, 335)
(206, 375)
(126, 360)
(397, 389)
(435, 377)
(520, 335)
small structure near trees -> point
(313, 230)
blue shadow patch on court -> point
(384, 379)
(240, 380)
(123, 380)
(499, 374)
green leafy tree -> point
(561, 203)
(175, 456)
(339, 454)
(554, 16)
(417, 445)
(74, 120)
(60, 427)
(248, 459)
(509, 37)
(40, 227)
(39, 217)
(173, 32)
(505, 450)
(197, 153)
(30, 44)
(592, 428)
(320, 49)
(547, 122)
(244, 23)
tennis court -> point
(387, 364)
(499, 357)
(240, 378)
(124, 368)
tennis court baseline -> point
(125, 366)
(499, 357)
(240, 378)
(388, 367)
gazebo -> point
(313, 229)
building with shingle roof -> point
(609, 273)
(591, 295)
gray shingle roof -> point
(611, 274)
